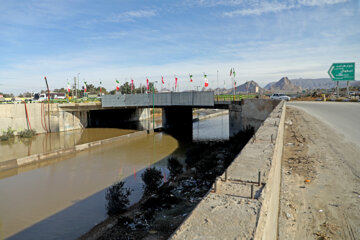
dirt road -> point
(320, 196)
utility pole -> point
(74, 90)
(217, 81)
(47, 86)
(78, 82)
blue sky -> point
(263, 40)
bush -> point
(117, 198)
(162, 199)
(27, 133)
(174, 166)
(152, 179)
(193, 155)
(9, 133)
(4, 138)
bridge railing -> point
(159, 99)
(226, 98)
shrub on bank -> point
(4, 138)
(27, 133)
(117, 197)
(9, 133)
(152, 179)
(174, 166)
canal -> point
(65, 197)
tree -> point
(27, 94)
(8, 95)
(117, 197)
(60, 90)
(174, 166)
(125, 88)
(152, 179)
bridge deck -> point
(193, 99)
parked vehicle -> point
(44, 96)
(280, 96)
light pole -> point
(77, 84)
(153, 87)
(217, 81)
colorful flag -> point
(230, 72)
(176, 79)
(162, 79)
(206, 80)
(117, 85)
(68, 87)
(234, 72)
(84, 87)
(132, 84)
(190, 77)
(147, 83)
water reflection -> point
(43, 143)
(212, 129)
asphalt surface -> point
(343, 117)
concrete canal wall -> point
(14, 116)
(249, 112)
(63, 117)
(244, 202)
(38, 158)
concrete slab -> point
(216, 217)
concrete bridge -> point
(117, 109)
(177, 108)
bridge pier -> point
(178, 120)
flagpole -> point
(233, 77)
(217, 81)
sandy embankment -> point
(327, 206)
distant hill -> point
(283, 85)
(249, 87)
(321, 83)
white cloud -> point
(132, 15)
(255, 7)
(320, 2)
(259, 9)
(111, 35)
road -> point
(320, 189)
(342, 116)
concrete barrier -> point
(245, 204)
(267, 227)
(35, 158)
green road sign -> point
(342, 71)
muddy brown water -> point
(20, 147)
(64, 197)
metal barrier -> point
(195, 99)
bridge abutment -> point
(249, 113)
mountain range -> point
(287, 86)
(283, 85)
(321, 83)
(249, 87)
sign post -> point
(342, 72)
